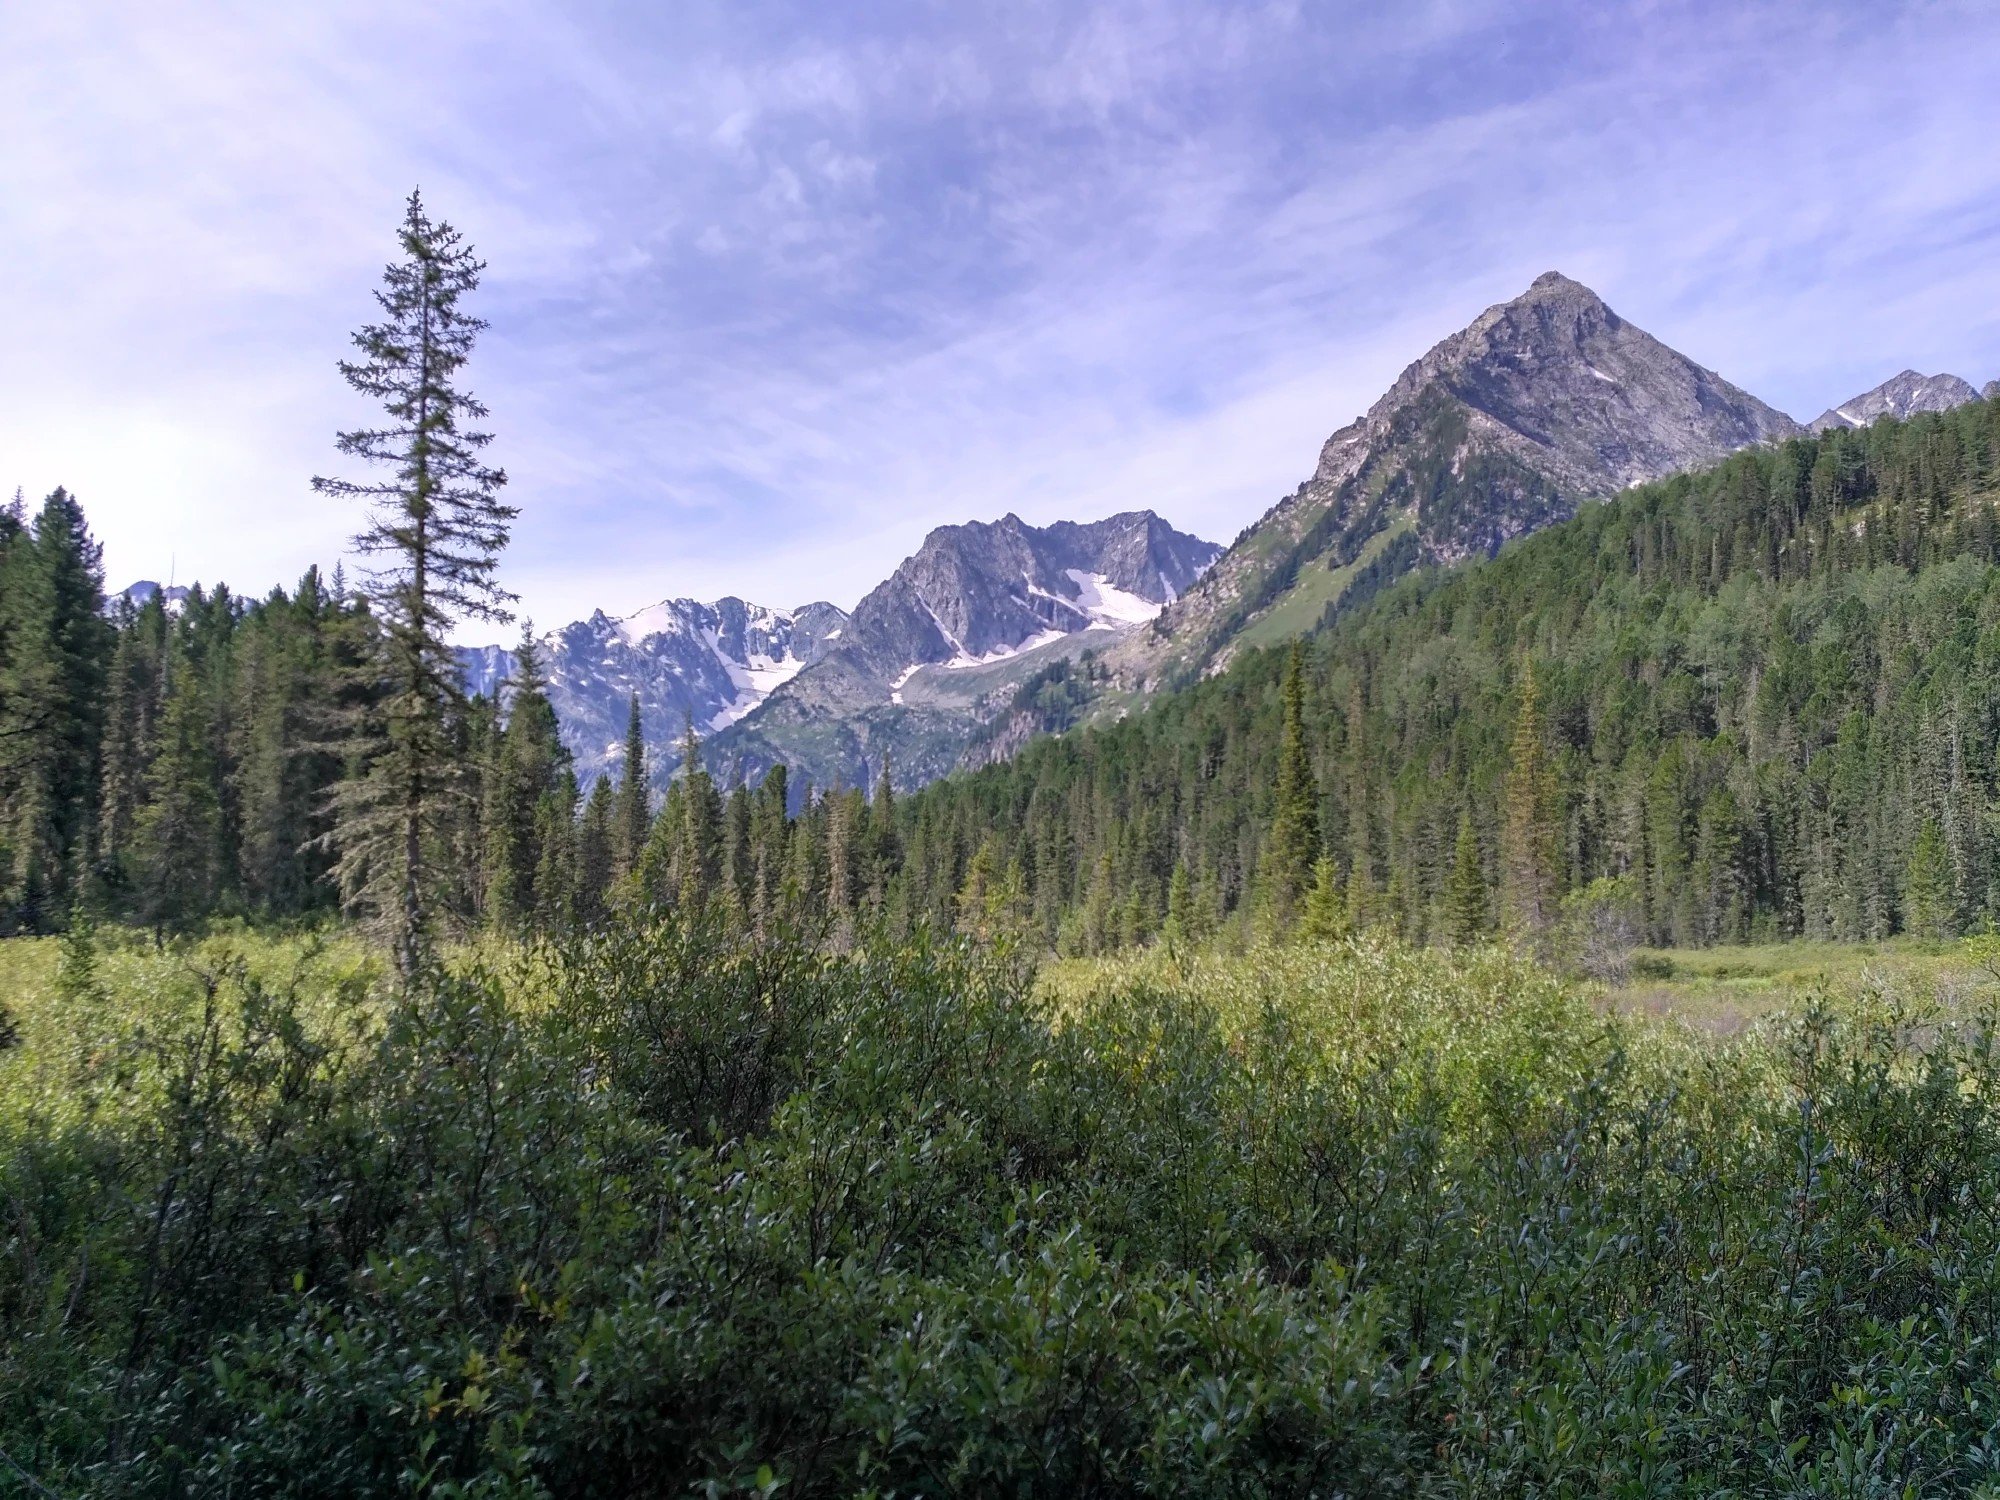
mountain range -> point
(1540, 405)
(908, 678)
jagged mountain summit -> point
(688, 662)
(1538, 405)
(1901, 396)
(930, 652)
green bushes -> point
(655, 1214)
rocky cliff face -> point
(953, 631)
(1539, 404)
(1901, 396)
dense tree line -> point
(1759, 701)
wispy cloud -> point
(776, 287)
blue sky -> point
(777, 287)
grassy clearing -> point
(1299, 608)
(1723, 989)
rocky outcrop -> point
(1900, 396)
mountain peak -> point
(1555, 281)
(1535, 406)
(1902, 396)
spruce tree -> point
(883, 845)
(1465, 894)
(1529, 843)
(179, 830)
(770, 830)
(131, 716)
(1180, 926)
(633, 815)
(1325, 918)
(1293, 846)
(1927, 903)
(440, 526)
(698, 844)
(529, 800)
(57, 650)
(595, 857)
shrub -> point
(649, 1213)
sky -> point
(775, 288)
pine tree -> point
(531, 770)
(1294, 845)
(1465, 893)
(698, 845)
(633, 816)
(131, 720)
(439, 522)
(556, 852)
(884, 849)
(1325, 918)
(596, 863)
(1529, 843)
(55, 649)
(1178, 931)
(178, 833)
(770, 834)
(1927, 903)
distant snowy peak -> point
(1901, 396)
(686, 661)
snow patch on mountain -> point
(1107, 604)
(683, 659)
(1000, 653)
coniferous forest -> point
(1750, 703)
(1220, 1100)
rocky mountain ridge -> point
(688, 662)
(1902, 396)
(1538, 405)
(931, 652)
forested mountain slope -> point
(1766, 701)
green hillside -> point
(1768, 705)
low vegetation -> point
(659, 1211)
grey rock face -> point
(687, 661)
(1901, 396)
(1598, 403)
(1539, 404)
(1990, 391)
(975, 607)
(983, 588)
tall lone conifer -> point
(440, 526)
